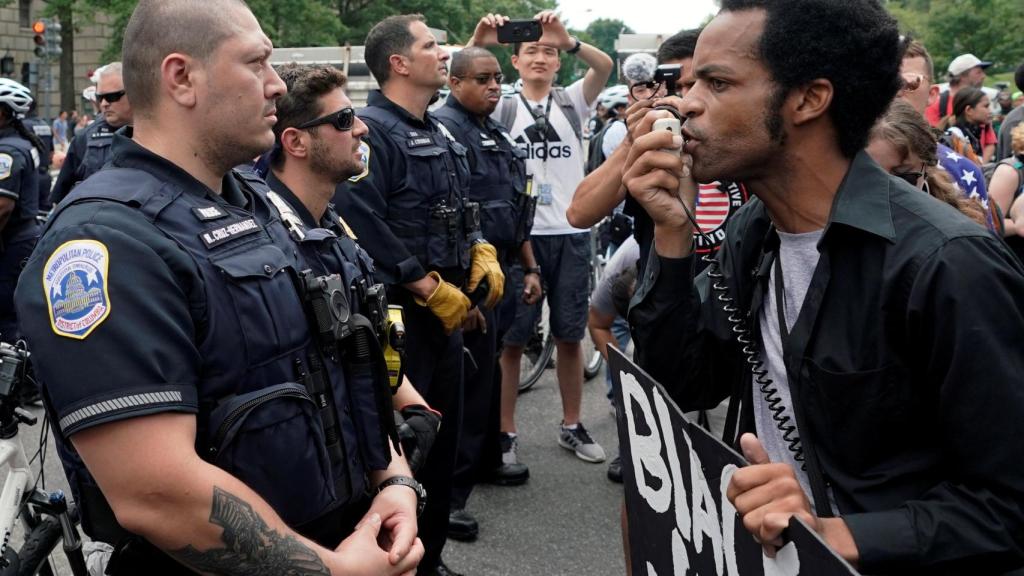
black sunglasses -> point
(342, 120)
(109, 96)
(485, 79)
(911, 178)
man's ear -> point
(399, 64)
(293, 144)
(178, 76)
(811, 101)
(933, 96)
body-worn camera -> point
(447, 219)
(328, 299)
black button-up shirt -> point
(905, 366)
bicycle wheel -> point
(38, 546)
(537, 356)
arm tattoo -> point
(252, 547)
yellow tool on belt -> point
(394, 344)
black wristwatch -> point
(532, 270)
(575, 48)
(421, 492)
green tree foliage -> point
(990, 29)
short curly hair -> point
(306, 83)
(854, 44)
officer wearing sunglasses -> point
(90, 150)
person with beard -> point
(90, 149)
(498, 184)
(880, 359)
(410, 208)
(172, 342)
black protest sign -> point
(676, 476)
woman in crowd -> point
(966, 128)
(903, 144)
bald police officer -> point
(498, 184)
(167, 315)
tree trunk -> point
(68, 94)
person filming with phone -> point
(885, 393)
(547, 121)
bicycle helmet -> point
(15, 95)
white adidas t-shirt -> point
(556, 165)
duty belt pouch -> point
(443, 238)
(370, 394)
(527, 208)
(273, 440)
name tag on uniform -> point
(419, 142)
(217, 236)
(486, 141)
(207, 213)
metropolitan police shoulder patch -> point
(6, 166)
(364, 150)
(75, 281)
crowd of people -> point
(277, 334)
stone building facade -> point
(16, 41)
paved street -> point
(564, 521)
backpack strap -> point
(507, 116)
(565, 102)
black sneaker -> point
(462, 526)
(511, 472)
(615, 470)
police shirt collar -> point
(862, 201)
(285, 192)
(453, 103)
(378, 99)
(126, 153)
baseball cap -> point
(965, 62)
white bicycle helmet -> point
(15, 95)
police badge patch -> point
(75, 280)
(364, 151)
(6, 166)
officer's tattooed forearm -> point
(251, 547)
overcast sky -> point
(644, 16)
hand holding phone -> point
(514, 31)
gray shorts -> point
(564, 262)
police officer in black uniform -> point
(305, 167)
(90, 150)
(409, 208)
(42, 129)
(498, 185)
(199, 415)
(20, 153)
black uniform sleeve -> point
(12, 168)
(363, 203)
(965, 321)
(683, 339)
(105, 310)
(69, 170)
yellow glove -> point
(485, 265)
(448, 303)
